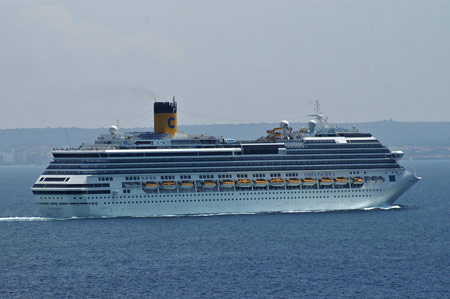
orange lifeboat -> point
(358, 180)
(149, 186)
(309, 182)
(168, 185)
(186, 185)
(261, 183)
(341, 180)
(293, 182)
(277, 182)
(227, 184)
(209, 184)
(244, 183)
(326, 181)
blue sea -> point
(401, 252)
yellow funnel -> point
(165, 117)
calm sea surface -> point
(400, 252)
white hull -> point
(253, 200)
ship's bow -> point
(406, 181)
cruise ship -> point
(320, 167)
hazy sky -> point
(89, 63)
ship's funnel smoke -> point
(121, 91)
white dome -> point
(113, 130)
(284, 124)
(312, 126)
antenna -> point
(118, 124)
(317, 107)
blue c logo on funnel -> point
(170, 122)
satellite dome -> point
(113, 130)
(284, 124)
(312, 126)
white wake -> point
(36, 219)
(383, 208)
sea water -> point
(403, 251)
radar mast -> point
(321, 120)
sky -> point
(89, 63)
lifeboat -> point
(326, 181)
(358, 180)
(244, 183)
(293, 182)
(309, 182)
(168, 185)
(341, 180)
(277, 182)
(226, 184)
(186, 184)
(261, 183)
(209, 184)
(149, 186)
